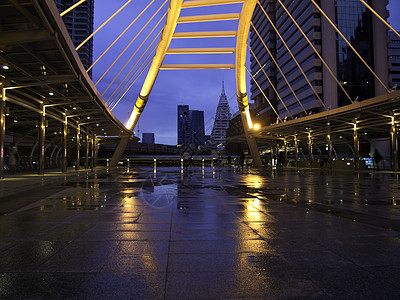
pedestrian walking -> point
(12, 158)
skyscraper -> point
(394, 59)
(190, 126)
(197, 127)
(79, 23)
(222, 117)
(184, 132)
(365, 32)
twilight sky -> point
(200, 89)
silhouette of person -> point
(377, 158)
(12, 158)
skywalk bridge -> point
(45, 88)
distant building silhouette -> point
(222, 118)
(190, 126)
(79, 23)
(148, 138)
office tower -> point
(190, 126)
(365, 32)
(394, 59)
(148, 138)
(184, 132)
(222, 117)
(197, 127)
(79, 23)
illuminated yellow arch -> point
(174, 10)
(241, 52)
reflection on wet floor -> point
(206, 233)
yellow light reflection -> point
(254, 181)
(248, 117)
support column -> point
(77, 148)
(285, 147)
(309, 142)
(380, 46)
(329, 142)
(394, 146)
(41, 135)
(87, 150)
(64, 161)
(2, 128)
(356, 148)
(329, 55)
(296, 152)
(96, 151)
(92, 153)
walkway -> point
(214, 234)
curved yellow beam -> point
(241, 52)
(174, 10)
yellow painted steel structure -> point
(173, 18)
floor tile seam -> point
(111, 254)
(168, 254)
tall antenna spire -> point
(223, 87)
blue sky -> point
(198, 88)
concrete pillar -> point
(380, 47)
(330, 88)
(77, 147)
(87, 150)
(309, 142)
(92, 153)
(96, 151)
(64, 159)
(356, 148)
(329, 143)
(285, 147)
(296, 152)
(2, 129)
(251, 142)
(394, 146)
(41, 138)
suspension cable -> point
(379, 17)
(71, 8)
(130, 43)
(130, 70)
(266, 98)
(102, 25)
(316, 51)
(270, 82)
(291, 54)
(123, 68)
(126, 29)
(280, 70)
(140, 73)
(147, 57)
(350, 45)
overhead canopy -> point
(41, 67)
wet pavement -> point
(206, 234)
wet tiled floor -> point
(206, 233)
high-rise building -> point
(197, 127)
(366, 33)
(222, 118)
(79, 23)
(190, 126)
(184, 132)
(148, 138)
(394, 59)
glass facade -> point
(355, 22)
